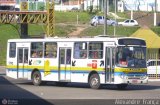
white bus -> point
(98, 60)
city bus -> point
(96, 61)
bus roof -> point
(69, 39)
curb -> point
(2, 70)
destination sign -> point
(131, 42)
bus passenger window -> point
(84, 55)
(48, 55)
(79, 49)
(36, 49)
(50, 50)
(95, 55)
(12, 50)
(34, 54)
(40, 54)
(95, 50)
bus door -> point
(109, 64)
(22, 62)
(65, 64)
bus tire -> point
(94, 81)
(122, 86)
(36, 78)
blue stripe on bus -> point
(55, 71)
(130, 74)
(80, 72)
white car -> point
(153, 66)
(128, 22)
(96, 20)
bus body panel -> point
(77, 70)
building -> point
(138, 5)
(60, 5)
(7, 4)
(64, 5)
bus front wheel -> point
(36, 78)
(94, 81)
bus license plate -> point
(134, 81)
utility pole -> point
(155, 13)
(24, 26)
(115, 11)
(61, 5)
(105, 16)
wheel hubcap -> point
(94, 82)
(36, 78)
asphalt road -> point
(23, 92)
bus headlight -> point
(123, 76)
(144, 77)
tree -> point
(138, 7)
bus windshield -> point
(131, 56)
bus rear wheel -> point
(36, 78)
(94, 81)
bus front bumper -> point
(119, 80)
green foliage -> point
(7, 32)
(123, 15)
(111, 8)
(35, 29)
(64, 30)
(41, 6)
(156, 30)
(99, 30)
(72, 17)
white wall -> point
(88, 3)
(65, 7)
(145, 5)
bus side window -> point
(36, 49)
(95, 50)
(34, 54)
(12, 50)
(80, 48)
(84, 55)
(93, 54)
(50, 50)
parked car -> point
(74, 9)
(153, 66)
(128, 22)
(96, 20)
(158, 24)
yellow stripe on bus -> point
(128, 70)
(56, 68)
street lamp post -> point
(115, 11)
(155, 13)
(61, 5)
(105, 16)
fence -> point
(153, 63)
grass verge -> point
(119, 31)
